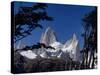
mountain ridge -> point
(70, 47)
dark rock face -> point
(24, 65)
(51, 65)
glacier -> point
(70, 49)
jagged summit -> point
(69, 48)
(48, 37)
(72, 47)
(70, 41)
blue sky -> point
(67, 21)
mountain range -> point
(69, 49)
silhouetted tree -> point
(90, 40)
(28, 18)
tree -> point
(90, 40)
(27, 19)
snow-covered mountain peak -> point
(74, 37)
(48, 29)
(54, 48)
(48, 37)
(70, 41)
